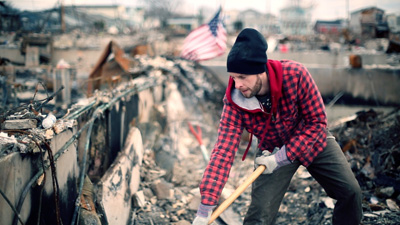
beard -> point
(252, 91)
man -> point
(279, 103)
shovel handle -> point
(236, 193)
(205, 154)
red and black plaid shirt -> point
(298, 121)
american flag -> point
(205, 42)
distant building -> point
(232, 22)
(134, 17)
(331, 27)
(109, 11)
(295, 20)
(56, 20)
(265, 23)
(393, 21)
(183, 25)
(117, 16)
(369, 23)
(9, 19)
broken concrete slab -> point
(15, 171)
(18, 172)
(22, 124)
(145, 106)
(121, 181)
(139, 199)
(162, 189)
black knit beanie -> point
(248, 54)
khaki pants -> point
(332, 171)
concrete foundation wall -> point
(325, 58)
(114, 156)
(17, 170)
(67, 170)
(375, 84)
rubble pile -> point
(371, 143)
(170, 176)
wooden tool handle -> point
(236, 193)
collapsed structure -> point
(98, 141)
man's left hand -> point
(268, 160)
(272, 161)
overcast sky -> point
(323, 9)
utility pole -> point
(348, 13)
(62, 19)
(62, 12)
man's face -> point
(248, 85)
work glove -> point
(203, 214)
(272, 161)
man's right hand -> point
(203, 214)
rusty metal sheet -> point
(104, 71)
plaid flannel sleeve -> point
(217, 171)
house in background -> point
(118, 16)
(295, 20)
(369, 23)
(393, 21)
(265, 23)
(182, 25)
(232, 22)
(9, 18)
(135, 17)
(331, 28)
(109, 11)
(64, 20)
(114, 19)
